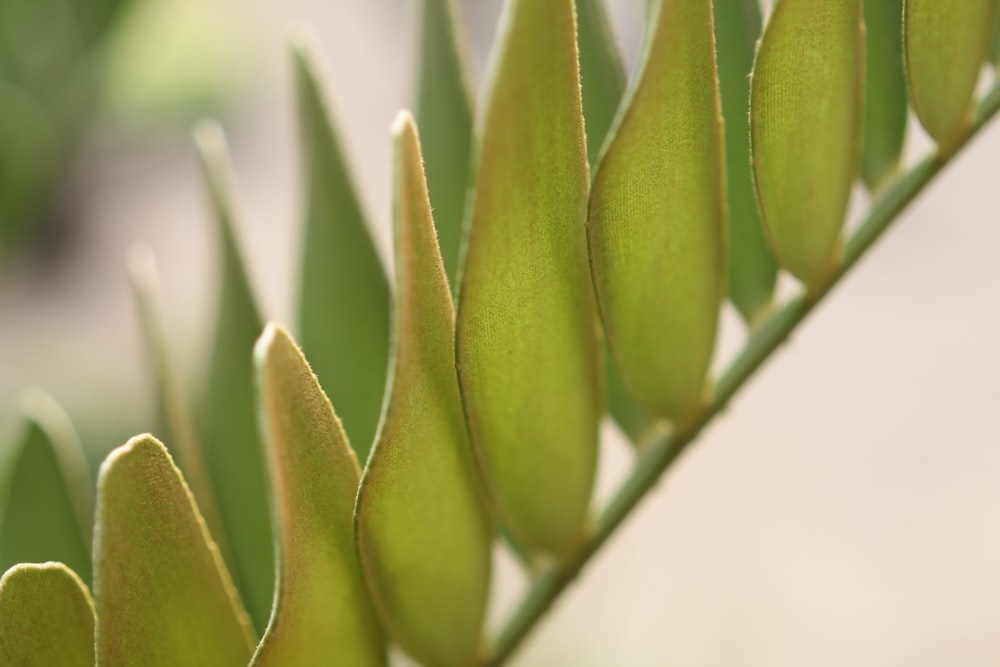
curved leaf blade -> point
(344, 293)
(46, 617)
(430, 583)
(946, 42)
(527, 342)
(228, 423)
(657, 222)
(444, 112)
(886, 106)
(805, 115)
(321, 613)
(163, 594)
(48, 511)
(753, 272)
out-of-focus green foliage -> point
(885, 92)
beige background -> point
(846, 511)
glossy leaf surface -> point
(946, 42)
(423, 530)
(444, 111)
(321, 614)
(163, 594)
(228, 423)
(46, 617)
(805, 114)
(657, 222)
(47, 505)
(886, 106)
(527, 343)
(753, 271)
(344, 300)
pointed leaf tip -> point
(163, 595)
(321, 609)
(430, 582)
(46, 617)
(657, 225)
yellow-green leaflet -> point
(172, 404)
(657, 216)
(805, 125)
(47, 499)
(322, 614)
(233, 450)
(344, 299)
(162, 591)
(444, 111)
(753, 271)
(527, 331)
(46, 617)
(886, 106)
(945, 43)
(995, 53)
(423, 530)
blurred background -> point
(846, 510)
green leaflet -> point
(47, 511)
(945, 43)
(162, 591)
(885, 92)
(602, 74)
(657, 217)
(228, 423)
(423, 531)
(174, 411)
(603, 83)
(46, 617)
(805, 115)
(444, 111)
(321, 615)
(995, 52)
(753, 271)
(344, 298)
(527, 337)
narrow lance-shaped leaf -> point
(946, 42)
(657, 222)
(527, 338)
(163, 594)
(344, 297)
(46, 617)
(48, 509)
(886, 106)
(602, 76)
(444, 111)
(753, 271)
(172, 404)
(423, 530)
(228, 423)
(322, 614)
(805, 122)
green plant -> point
(493, 404)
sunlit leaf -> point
(946, 42)
(423, 530)
(47, 511)
(46, 617)
(752, 269)
(321, 615)
(885, 92)
(602, 74)
(657, 216)
(527, 340)
(228, 422)
(172, 403)
(162, 592)
(444, 111)
(805, 116)
(344, 299)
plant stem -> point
(763, 342)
